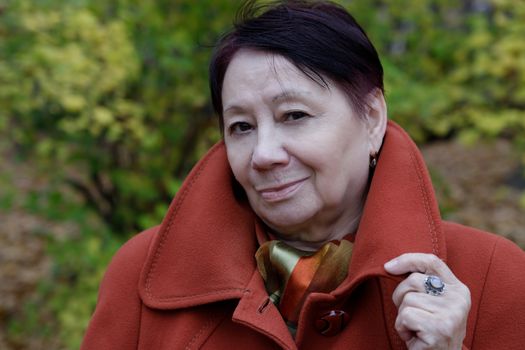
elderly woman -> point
(313, 224)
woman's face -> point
(296, 147)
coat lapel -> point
(204, 249)
(401, 214)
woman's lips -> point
(281, 192)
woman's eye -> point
(240, 128)
(295, 115)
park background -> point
(104, 108)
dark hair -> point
(319, 37)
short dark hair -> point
(319, 37)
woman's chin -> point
(287, 224)
(288, 227)
(288, 217)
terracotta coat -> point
(192, 282)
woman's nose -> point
(269, 151)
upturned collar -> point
(204, 249)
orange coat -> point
(192, 282)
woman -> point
(314, 223)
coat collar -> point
(401, 214)
(205, 246)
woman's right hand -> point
(427, 321)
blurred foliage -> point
(111, 95)
(55, 315)
(111, 98)
(60, 310)
(452, 67)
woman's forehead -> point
(252, 70)
(274, 64)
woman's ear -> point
(376, 119)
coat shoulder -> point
(135, 250)
(464, 240)
(475, 254)
(491, 266)
(128, 261)
(116, 320)
(466, 237)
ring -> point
(434, 285)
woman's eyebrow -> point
(283, 96)
(234, 108)
(291, 94)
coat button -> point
(332, 322)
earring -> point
(373, 160)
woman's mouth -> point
(280, 192)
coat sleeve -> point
(115, 324)
(501, 322)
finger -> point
(417, 344)
(438, 307)
(419, 262)
(427, 302)
(411, 322)
(415, 326)
(411, 291)
(431, 328)
(413, 283)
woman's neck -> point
(314, 237)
